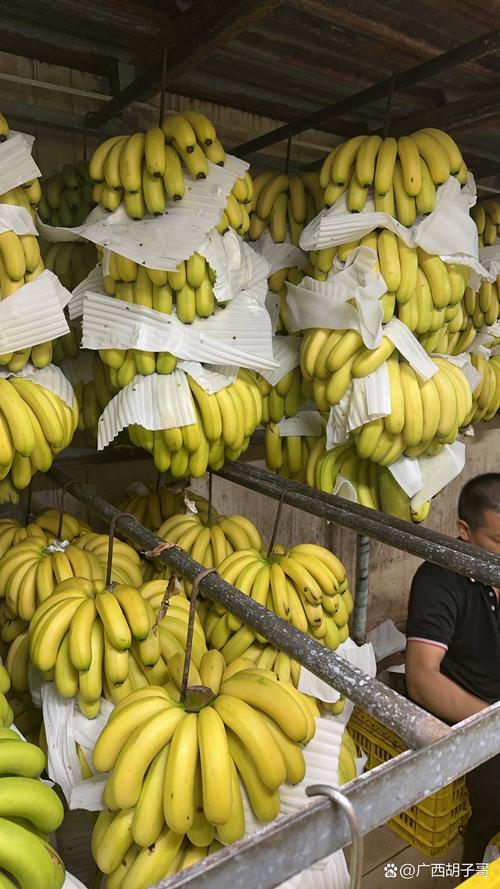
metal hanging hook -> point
(336, 796)
(111, 539)
(190, 630)
(277, 519)
(61, 507)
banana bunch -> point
(156, 863)
(35, 425)
(154, 508)
(71, 261)
(284, 205)
(31, 570)
(347, 759)
(27, 718)
(482, 307)
(26, 196)
(277, 283)
(178, 768)
(123, 365)
(288, 454)
(21, 262)
(236, 212)
(189, 289)
(210, 539)
(91, 641)
(422, 290)
(486, 395)
(93, 395)
(29, 812)
(48, 520)
(486, 215)
(282, 400)
(68, 345)
(126, 564)
(404, 173)
(425, 414)
(145, 170)
(374, 485)
(66, 197)
(225, 422)
(305, 585)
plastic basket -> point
(433, 824)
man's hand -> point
(428, 687)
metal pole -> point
(287, 846)
(358, 627)
(411, 723)
(423, 542)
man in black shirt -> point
(453, 649)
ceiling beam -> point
(193, 36)
(33, 116)
(475, 49)
(454, 115)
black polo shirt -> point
(462, 617)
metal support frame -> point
(358, 626)
(423, 542)
(194, 36)
(468, 52)
(412, 724)
(290, 844)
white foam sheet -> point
(409, 346)
(360, 656)
(238, 266)
(16, 219)
(279, 256)
(50, 377)
(449, 231)
(304, 423)
(239, 335)
(33, 314)
(56, 233)
(211, 377)
(425, 476)
(464, 364)
(158, 401)
(325, 303)
(161, 242)
(93, 283)
(286, 354)
(386, 639)
(16, 163)
(367, 398)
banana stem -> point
(277, 521)
(111, 538)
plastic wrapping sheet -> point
(33, 314)
(279, 256)
(449, 231)
(285, 353)
(238, 266)
(16, 219)
(161, 242)
(425, 476)
(366, 399)
(360, 656)
(50, 377)
(304, 423)
(212, 377)
(16, 163)
(239, 335)
(325, 303)
(93, 283)
(158, 401)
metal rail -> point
(289, 845)
(414, 725)
(419, 541)
(475, 49)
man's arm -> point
(428, 687)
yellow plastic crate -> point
(432, 825)
(490, 881)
